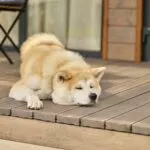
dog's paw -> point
(33, 102)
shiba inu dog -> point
(49, 71)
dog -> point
(49, 71)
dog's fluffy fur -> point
(49, 71)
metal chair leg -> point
(11, 27)
(5, 54)
(15, 46)
(7, 36)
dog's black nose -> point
(93, 97)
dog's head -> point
(81, 87)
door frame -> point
(105, 30)
(139, 30)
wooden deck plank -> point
(48, 113)
(50, 110)
(112, 68)
(112, 79)
(74, 116)
(125, 86)
(4, 91)
(124, 122)
(5, 108)
(125, 75)
(99, 118)
(130, 71)
(142, 127)
(112, 65)
(22, 112)
(2, 100)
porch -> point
(124, 104)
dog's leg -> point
(45, 90)
(38, 85)
(20, 92)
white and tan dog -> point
(49, 71)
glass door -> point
(77, 23)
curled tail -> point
(41, 38)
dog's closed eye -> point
(79, 88)
(91, 86)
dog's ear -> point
(98, 72)
(63, 76)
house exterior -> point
(118, 35)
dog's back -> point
(34, 51)
(37, 40)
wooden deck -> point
(124, 104)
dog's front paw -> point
(33, 102)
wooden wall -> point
(122, 29)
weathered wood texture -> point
(123, 106)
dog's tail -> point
(38, 39)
